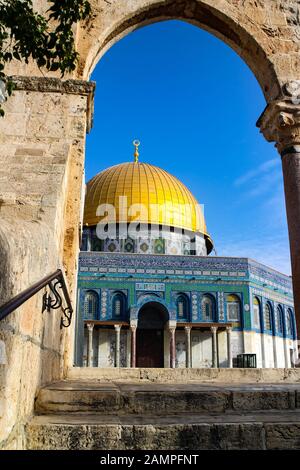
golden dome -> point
(145, 185)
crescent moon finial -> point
(136, 154)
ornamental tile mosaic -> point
(244, 266)
(144, 245)
(161, 276)
(129, 245)
(221, 306)
(159, 246)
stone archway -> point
(264, 33)
(152, 319)
(226, 20)
(257, 30)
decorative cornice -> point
(56, 85)
(100, 262)
(53, 85)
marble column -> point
(263, 350)
(90, 327)
(286, 354)
(296, 355)
(118, 345)
(275, 351)
(172, 330)
(89, 241)
(99, 347)
(229, 348)
(133, 345)
(188, 351)
(280, 123)
(214, 346)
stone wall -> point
(42, 159)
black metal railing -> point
(52, 300)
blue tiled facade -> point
(161, 278)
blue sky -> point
(193, 103)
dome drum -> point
(160, 241)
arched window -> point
(289, 323)
(279, 319)
(90, 307)
(256, 313)
(118, 305)
(233, 308)
(208, 308)
(95, 242)
(267, 317)
(182, 306)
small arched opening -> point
(150, 335)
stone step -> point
(183, 431)
(182, 375)
(160, 399)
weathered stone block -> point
(92, 401)
(261, 400)
(32, 152)
(176, 402)
(50, 126)
(282, 436)
(235, 436)
(118, 436)
(13, 125)
(297, 399)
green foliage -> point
(49, 41)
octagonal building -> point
(149, 294)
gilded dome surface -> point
(164, 199)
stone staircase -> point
(82, 414)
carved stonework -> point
(56, 85)
(286, 119)
(292, 89)
(280, 123)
